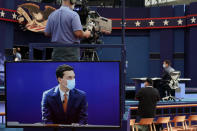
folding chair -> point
(162, 120)
(132, 124)
(178, 119)
(145, 122)
(190, 126)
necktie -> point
(65, 102)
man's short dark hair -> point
(60, 70)
(150, 82)
(167, 62)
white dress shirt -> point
(62, 94)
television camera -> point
(92, 21)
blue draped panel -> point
(165, 42)
(2, 34)
(154, 64)
(2, 28)
(130, 12)
(9, 4)
(137, 57)
(107, 12)
(166, 36)
(137, 12)
(179, 40)
(137, 54)
(107, 54)
(191, 50)
(1, 3)
(2, 57)
(179, 33)
(7, 30)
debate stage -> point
(191, 99)
(187, 106)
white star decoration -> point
(14, 16)
(137, 23)
(193, 20)
(2, 13)
(165, 22)
(151, 23)
(180, 22)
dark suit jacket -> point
(148, 98)
(52, 108)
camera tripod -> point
(89, 55)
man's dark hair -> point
(60, 70)
(167, 62)
(150, 82)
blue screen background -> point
(26, 81)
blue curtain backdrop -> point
(191, 49)
(136, 54)
(6, 28)
(164, 44)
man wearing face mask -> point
(64, 26)
(167, 69)
(64, 104)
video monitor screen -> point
(65, 94)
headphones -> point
(72, 2)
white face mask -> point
(71, 84)
(164, 66)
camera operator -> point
(64, 26)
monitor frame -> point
(62, 125)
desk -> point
(179, 93)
